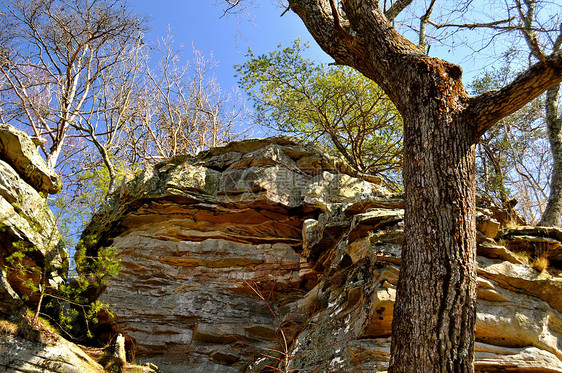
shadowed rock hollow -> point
(198, 235)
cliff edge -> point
(268, 252)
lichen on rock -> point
(19, 150)
(202, 238)
(27, 225)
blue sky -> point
(227, 39)
(199, 22)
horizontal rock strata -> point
(269, 244)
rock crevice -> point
(230, 253)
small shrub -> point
(68, 305)
(8, 328)
(540, 264)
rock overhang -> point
(326, 243)
(280, 174)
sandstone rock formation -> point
(27, 226)
(26, 223)
(20, 151)
(202, 238)
(56, 355)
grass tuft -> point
(540, 264)
(8, 328)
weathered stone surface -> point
(490, 358)
(516, 329)
(24, 214)
(56, 355)
(192, 295)
(19, 150)
(195, 234)
(524, 279)
(202, 238)
(386, 202)
(492, 250)
(536, 241)
(27, 225)
(373, 220)
(10, 302)
(519, 314)
(487, 225)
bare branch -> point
(490, 107)
(494, 24)
(423, 24)
(396, 8)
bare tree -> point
(79, 73)
(57, 57)
(179, 108)
(512, 161)
(551, 42)
(434, 314)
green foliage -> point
(69, 305)
(73, 300)
(103, 265)
(18, 264)
(333, 105)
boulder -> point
(19, 150)
(27, 226)
(24, 215)
(48, 355)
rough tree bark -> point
(434, 315)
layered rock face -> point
(270, 252)
(27, 226)
(46, 355)
(26, 223)
(518, 312)
(194, 234)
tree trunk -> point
(551, 215)
(435, 309)
(53, 155)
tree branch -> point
(528, 32)
(494, 24)
(372, 35)
(423, 25)
(396, 8)
(489, 107)
(319, 19)
(337, 22)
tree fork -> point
(434, 314)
